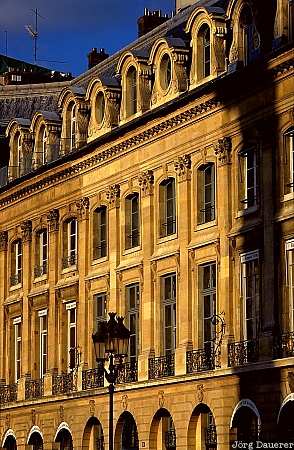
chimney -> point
(95, 58)
(150, 20)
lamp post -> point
(111, 341)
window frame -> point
(202, 207)
(98, 227)
(244, 185)
(135, 313)
(17, 329)
(73, 127)
(101, 317)
(246, 260)
(71, 350)
(43, 342)
(170, 303)
(288, 144)
(131, 91)
(167, 219)
(289, 248)
(209, 292)
(132, 216)
(204, 52)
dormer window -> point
(43, 139)
(204, 66)
(18, 150)
(165, 72)
(131, 91)
(246, 34)
(73, 127)
(100, 107)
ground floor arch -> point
(126, 433)
(162, 431)
(286, 419)
(202, 429)
(93, 438)
(35, 440)
(9, 441)
(245, 422)
(63, 437)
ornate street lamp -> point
(111, 341)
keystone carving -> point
(182, 167)
(82, 206)
(124, 402)
(112, 195)
(53, 219)
(146, 182)
(33, 412)
(223, 150)
(200, 392)
(92, 407)
(161, 399)
(3, 240)
(26, 230)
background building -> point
(160, 185)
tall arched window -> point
(43, 145)
(204, 65)
(73, 127)
(131, 91)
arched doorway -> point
(162, 432)
(286, 423)
(126, 434)
(245, 422)
(93, 438)
(64, 439)
(36, 441)
(202, 429)
(10, 443)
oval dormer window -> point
(100, 107)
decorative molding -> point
(153, 265)
(82, 206)
(53, 220)
(92, 407)
(124, 402)
(183, 167)
(26, 230)
(200, 393)
(61, 413)
(146, 182)
(161, 399)
(223, 150)
(3, 240)
(141, 272)
(112, 196)
(191, 253)
(33, 416)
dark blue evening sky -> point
(70, 28)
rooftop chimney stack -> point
(95, 57)
(150, 20)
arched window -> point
(289, 161)
(131, 91)
(100, 107)
(167, 201)
(73, 127)
(246, 24)
(100, 232)
(165, 72)
(206, 193)
(43, 146)
(132, 228)
(204, 64)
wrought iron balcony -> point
(127, 372)
(8, 393)
(284, 345)
(41, 270)
(170, 439)
(15, 279)
(64, 383)
(92, 378)
(69, 261)
(34, 389)
(242, 353)
(210, 436)
(162, 366)
(200, 360)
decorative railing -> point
(170, 439)
(64, 383)
(41, 270)
(127, 372)
(200, 360)
(162, 366)
(69, 261)
(92, 378)
(242, 353)
(210, 436)
(34, 389)
(8, 393)
(206, 214)
(15, 279)
(284, 345)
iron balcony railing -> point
(284, 345)
(34, 389)
(206, 214)
(69, 261)
(162, 366)
(41, 270)
(8, 393)
(63, 383)
(92, 378)
(170, 439)
(127, 372)
(242, 353)
(210, 436)
(200, 360)
(15, 279)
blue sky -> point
(70, 28)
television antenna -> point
(33, 31)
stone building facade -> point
(158, 185)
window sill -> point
(132, 250)
(41, 278)
(15, 288)
(205, 225)
(70, 269)
(99, 260)
(288, 197)
(245, 212)
(170, 237)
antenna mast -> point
(34, 32)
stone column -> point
(53, 256)
(26, 230)
(184, 294)
(223, 150)
(3, 292)
(146, 181)
(113, 200)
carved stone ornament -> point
(146, 182)
(61, 413)
(161, 399)
(182, 167)
(234, 54)
(3, 240)
(291, 381)
(200, 392)
(82, 206)
(7, 420)
(223, 150)
(53, 219)
(92, 407)
(26, 230)
(82, 122)
(33, 412)
(112, 195)
(124, 402)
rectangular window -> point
(208, 301)
(289, 159)
(250, 284)
(17, 348)
(169, 313)
(133, 303)
(100, 233)
(16, 263)
(167, 194)
(42, 254)
(43, 324)
(70, 243)
(132, 221)
(290, 281)
(206, 188)
(72, 334)
(100, 308)
(250, 177)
